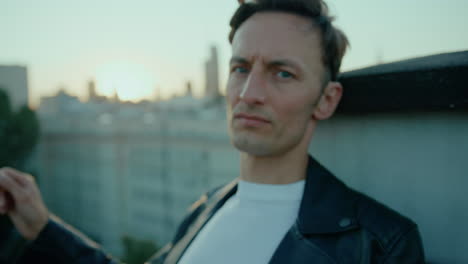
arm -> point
(61, 243)
(49, 240)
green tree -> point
(5, 117)
(19, 133)
(137, 251)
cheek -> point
(232, 93)
(295, 110)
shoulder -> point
(194, 211)
(201, 202)
(386, 225)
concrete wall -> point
(416, 163)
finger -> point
(23, 179)
(6, 202)
(12, 187)
(26, 181)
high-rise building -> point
(91, 90)
(112, 176)
(14, 80)
(212, 74)
(189, 90)
(93, 96)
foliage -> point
(137, 251)
(19, 133)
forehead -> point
(276, 35)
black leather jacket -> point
(335, 225)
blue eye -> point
(284, 75)
(240, 70)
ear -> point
(328, 101)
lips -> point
(251, 120)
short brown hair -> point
(334, 41)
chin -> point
(252, 146)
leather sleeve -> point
(407, 250)
(60, 243)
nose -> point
(254, 89)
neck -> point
(273, 170)
(286, 168)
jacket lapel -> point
(213, 204)
(327, 207)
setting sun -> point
(132, 82)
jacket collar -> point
(327, 206)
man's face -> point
(274, 84)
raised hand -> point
(21, 200)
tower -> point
(92, 95)
(212, 74)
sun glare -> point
(132, 82)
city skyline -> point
(165, 45)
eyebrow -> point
(238, 60)
(285, 62)
(273, 63)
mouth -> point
(251, 120)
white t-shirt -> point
(249, 226)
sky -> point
(146, 48)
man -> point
(284, 207)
